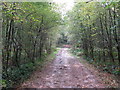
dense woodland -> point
(31, 31)
(96, 28)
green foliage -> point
(109, 67)
(94, 28)
(18, 75)
(29, 31)
(3, 83)
(76, 51)
(63, 39)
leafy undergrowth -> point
(107, 66)
(110, 80)
(107, 71)
(19, 75)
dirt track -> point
(65, 71)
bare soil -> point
(66, 71)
